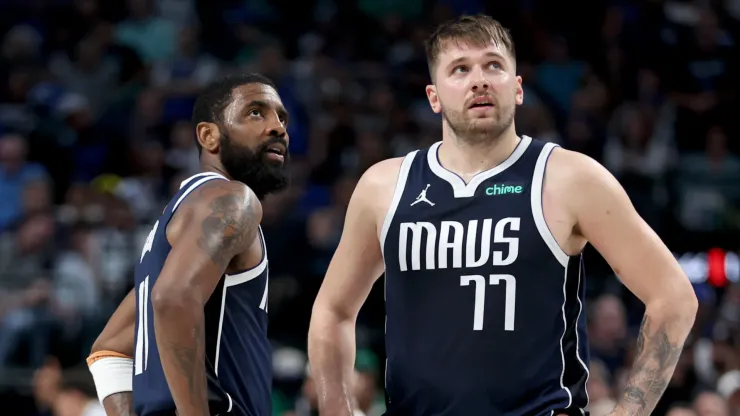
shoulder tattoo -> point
(228, 226)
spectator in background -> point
(607, 331)
(180, 12)
(15, 174)
(324, 226)
(189, 70)
(88, 72)
(709, 403)
(77, 284)
(100, 91)
(559, 76)
(118, 244)
(601, 398)
(640, 160)
(728, 387)
(145, 190)
(182, 155)
(152, 37)
(708, 185)
(179, 78)
(370, 399)
(702, 73)
(58, 394)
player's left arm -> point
(111, 360)
(220, 223)
(605, 216)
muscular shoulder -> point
(571, 171)
(374, 191)
(228, 199)
(578, 181)
(225, 214)
(383, 174)
(379, 181)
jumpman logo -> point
(423, 198)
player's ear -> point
(433, 98)
(208, 135)
(519, 91)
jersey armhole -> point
(192, 186)
(188, 189)
(403, 174)
(538, 180)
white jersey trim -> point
(565, 328)
(403, 174)
(204, 177)
(247, 275)
(460, 188)
(578, 317)
(237, 279)
(538, 180)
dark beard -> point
(250, 166)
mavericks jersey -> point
(484, 311)
(238, 354)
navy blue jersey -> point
(484, 309)
(238, 354)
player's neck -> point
(467, 159)
(206, 166)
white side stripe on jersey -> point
(237, 279)
(565, 328)
(403, 174)
(538, 179)
(578, 317)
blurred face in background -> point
(609, 322)
(710, 404)
(475, 88)
(12, 153)
(36, 197)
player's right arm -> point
(110, 360)
(356, 265)
(220, 222)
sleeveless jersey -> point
(484, 311)
(238, 353)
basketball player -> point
(480, 237)
(199, 307)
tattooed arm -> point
(216, 224)
(605, 217)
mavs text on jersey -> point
(485, 311)
(238, 354)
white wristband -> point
(112, 375)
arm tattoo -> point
(655, 359)
(226, 228)
(119, 404)
(225, 231)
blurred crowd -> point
(95, 101)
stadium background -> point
(95, 98)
